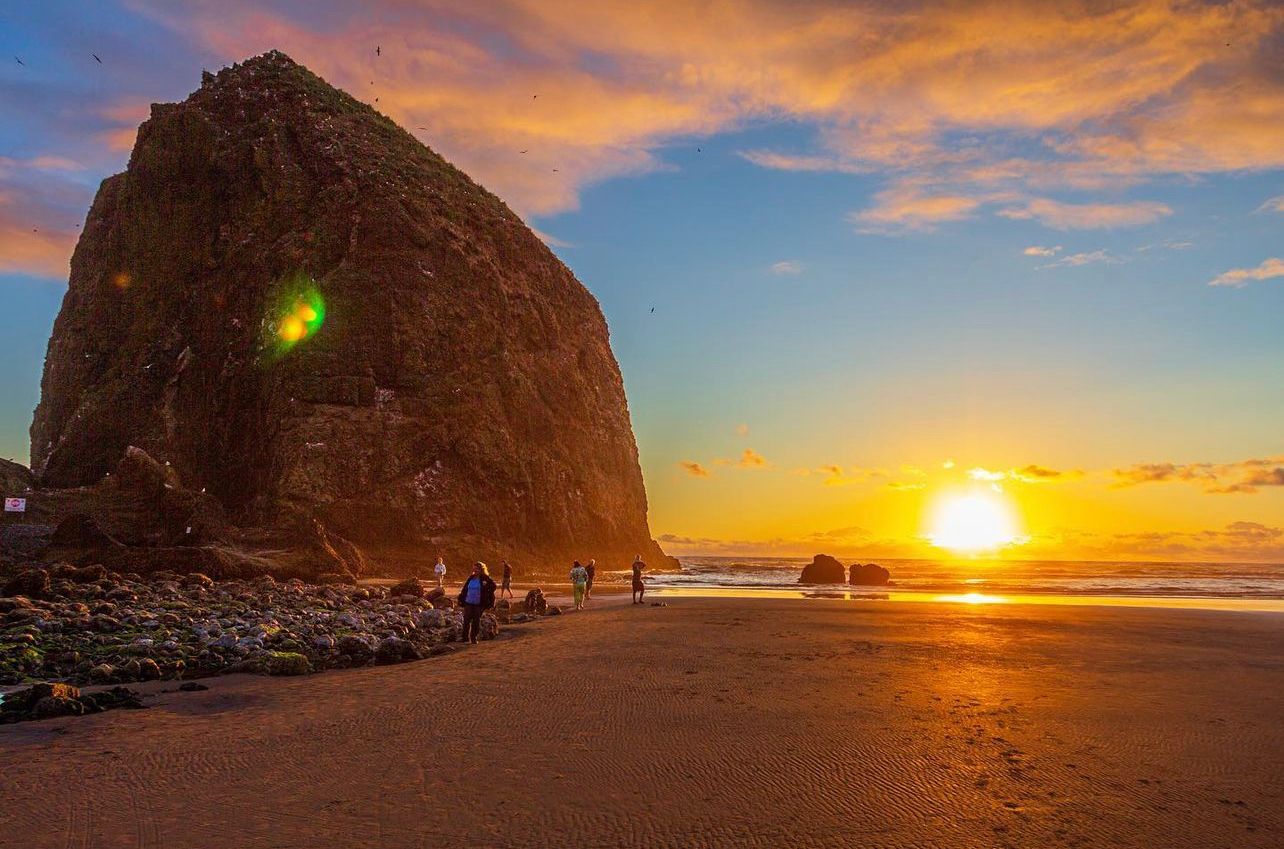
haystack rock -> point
(312, 317)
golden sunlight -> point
(973, 522)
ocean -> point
(1000, 577)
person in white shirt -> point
(440, 571)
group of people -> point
(477, 595)
(582, 581)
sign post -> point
(15, 505)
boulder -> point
(330, 323)
(823, 569)
(32, 583)
(868, 575)
(408, 587)
(488, 627)
(396, 650)
(355, 648)
(288, 663)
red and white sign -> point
(15, 505)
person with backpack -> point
(476, 597)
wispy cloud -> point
(1237, 278)
(786, 267)
(742, 429)
(694, 469)
(1087, 258)
(1275, 204)
(899, 210)
(1038, 250)
(1088, 216)
(1244, 476)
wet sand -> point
(710, 722)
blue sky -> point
(872, 242)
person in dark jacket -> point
(476, 597)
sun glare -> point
(973, 522)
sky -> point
(900, 254)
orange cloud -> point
(35, 237)
(900, 209)
(1245, 476)
(1237, 278)
(1037, 250)
(1088, 216)
(694, 469)
(751, 459)
(1094, 96)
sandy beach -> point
(710, 722)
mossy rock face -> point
(288, 663)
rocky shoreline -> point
(87, 625)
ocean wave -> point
(1153, 579)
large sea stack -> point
(311, 316)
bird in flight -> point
(653, 309)
(19, 61)
(554, 170)
(533, 96)
(378, 50)
(521, 151)
(96, 59)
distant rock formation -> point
(15, 479)
(823, 569)
(303, 313)
(868, 575)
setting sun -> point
(973, 522)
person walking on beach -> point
(590, 570)
(507, 585)
(476, 597)
(440, 571)
(639, 588)
(579, 582)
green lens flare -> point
(298, 314)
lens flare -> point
(299, 314)
(122, 280)
(292, 329)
